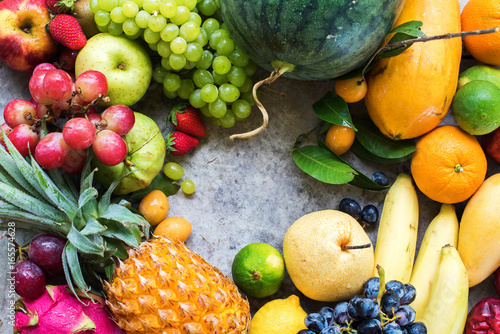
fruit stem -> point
(458, 168)
(279, 69)
(381, 287)
(356, 247)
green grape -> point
(237, 76)
(151, 5)
(196, 18)
(102, 18)
(153, 46)
(117, 15)
(241, 109)
(170, 32)
(228, 120)
(102, 28)
(250, 69)
(225, 47)
(247, 86)
(181, 16)
(139, 2)
(135, 36)
(195, 99)
(142, 19)
(248, 97)
(216, 36)
(159, 74)
(202, 78)
(165, 63)
(121, 2)
(189, 64)
(239, 58)
(163, 49)
(202, 38)
(150, 36)
(218, 108)
(172, 82)
(188, 186)
(189, 31)
(187, 87)
(220, 79)
(130, 8)
(209, 93)
(178, 45)
(157, 22)
(210, 25)
(94, 6)
(130, 28)
(173, 170)
(191, 4)
(217, 3)
(177, 62)
(228, 92)
(168, 8)
(206, 60)
(115, 29)
(204, 111)
(221, 65)
(194, 52)
(107, 5)
(169, 94)
(207, 7)
(179, 2)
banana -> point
(397, 232)
(443, 230)
(446, 311)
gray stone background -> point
(248, 190)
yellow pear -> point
(479, 234)
(328, 255)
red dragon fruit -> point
(59, 311)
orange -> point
(482, 14)
(154, 206)
(339, 138)
(351, 90)
(449, 164)
(175, 228)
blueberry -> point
(409, 295)
(369, 215)
(380, 179)
(371, 287)
(395, 286)
(417, 328)
(331, 330)
(405, 315)
(315, 322)
(389, 303)
(371, 326)
(351, 207)
(327, 313)
(340, 314)
(367, 308)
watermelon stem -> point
(279, 69)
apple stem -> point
(356, 247)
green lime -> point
(476, 107)
(258, 270)
(480, 72)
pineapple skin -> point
(163, 287)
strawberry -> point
(179, 143)
(66, 30)
(60, 6)
(185, 118)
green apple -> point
(145, 155)
(125, 63)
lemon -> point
(476, 107)
(480, 72)
(258, 269)
(279, 316)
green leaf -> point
(70, 181)
(333, 109)
(410, 28)
(322, 165)
(363, 153)
(67, 272)
(119, 231)
(92, 227)
(160, 182)
(73, 264)
(83, 243)
(376, 143)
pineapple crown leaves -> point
(97, 231)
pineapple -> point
(157, 286)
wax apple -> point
(24, 42)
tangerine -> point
(449, 164)
(175, 228)
(482, 14)
(351, 90)
(340, 138)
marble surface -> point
(247, 190)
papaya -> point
(410, 94)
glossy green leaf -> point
(322, 165)
(160, 182)
(411, 28)
(333, 109)
(363, 153)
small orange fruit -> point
(175, 228)
(482, 14)
(339, 138)
(351, 90)
(154, 206)
(449, 164)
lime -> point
(476, 107)
(258, 270)
(279, 316)
(480, 72)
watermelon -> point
(309, 39)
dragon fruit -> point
(59, 311)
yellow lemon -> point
(279, 316)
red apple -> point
(491, 145)
(24, 42)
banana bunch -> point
(397, 232)
(443, 230)
(446, 310)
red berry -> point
(179, 143)
(109, 148)
(19, 111)
(66, 30)
(51, 151)
(119, 118)
(79, 133)
(185, 118)
(24, 139)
